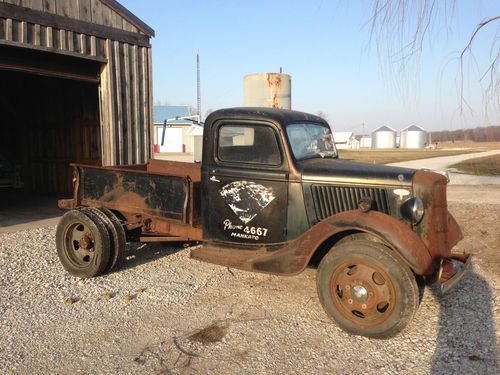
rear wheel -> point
(83, 243)
(367, 289)
(116, 235)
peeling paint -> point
(246, 198)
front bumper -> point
(452, 270)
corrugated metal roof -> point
(413, 128)
(165, 112)
(384, 129)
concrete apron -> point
(19, 211)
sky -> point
(325, 46)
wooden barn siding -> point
(93, 11)
(126, 102)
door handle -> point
(214, 179)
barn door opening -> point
(49, 118)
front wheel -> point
(367, 289)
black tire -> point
(118, 248)
(83, 244)
(367, 289)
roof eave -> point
(132, 18)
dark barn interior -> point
(49, 118)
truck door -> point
(246, 185)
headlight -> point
(413, 210)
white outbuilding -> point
(343, 140)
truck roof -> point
(281, 116)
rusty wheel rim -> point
(79, 244)
(362, 292)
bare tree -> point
(400, 29)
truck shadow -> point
(137, 253)
(466, 341)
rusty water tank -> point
(268, 90)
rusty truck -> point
(271, 195)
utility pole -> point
(198, 92)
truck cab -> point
(273, 196)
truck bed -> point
(161, 197)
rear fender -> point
(293, 258)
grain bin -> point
(413, 137)
(268, 90)
(384, 137)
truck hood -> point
(345, 171)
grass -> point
(487, 166)
(396, 155)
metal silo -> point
(268, 90)
(413, 137)
(384, 137)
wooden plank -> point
(142, 101)
(96, 8)
(36, 35)
(8, 29)
(100, 47)
(2, 28)
(126, 102)
(149, 123)
(136, 146)
(84, 9)
(66, 23)
(107, 108)
(117, 20)
(93, 46)
(16, 31)
(107, 16)
(34, 4)
(49, 37)
(62, 40)
(29, 33)
(69, 41)
(83, 43)
(23, 32)
(127, 26)
(49, 6)
(67, 8)
(118, 103)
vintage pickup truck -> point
(271, 195)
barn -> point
(76, 86)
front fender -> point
(294, 257)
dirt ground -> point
(477, 210)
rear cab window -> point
(252, 144)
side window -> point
(255, 144)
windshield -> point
(311, 140)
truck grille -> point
(330, 200)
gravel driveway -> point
(165, 313)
